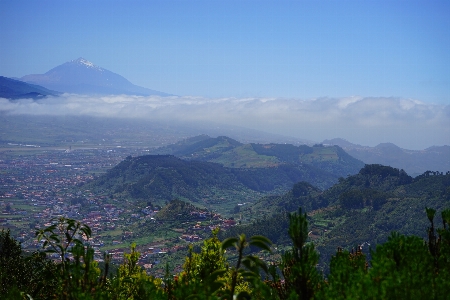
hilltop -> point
(81, 76)
(180, 211)
(231, 153)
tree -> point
(300, 277)
(131, 281)
(402, 268)
(346, 271)
(210, 259)
(405, 267)
(28, 275)
(11, 262)
(352, 199)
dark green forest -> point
(404, 267)
(362, 209)
(161, 178)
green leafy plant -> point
(252, 264)
(79, 272)
(62, 235)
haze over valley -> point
(363, 120)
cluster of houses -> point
(43, 182)
(34, 189)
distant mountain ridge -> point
(231, 153)
(81, 76)
(414, 162)
(15, 89)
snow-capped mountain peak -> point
(81, 76)
(85, 62)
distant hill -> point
(414, 162)
(199, 147)
(15, 89)
(81, 76)
(302, 194)
(161, 178)
(341, 143)
(231, 153)
(180, 211)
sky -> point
(212, 48)
(310, 56)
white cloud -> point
(408, 123)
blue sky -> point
(288, 49)
(366, 71)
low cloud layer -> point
(408, 123)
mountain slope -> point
(362, 209)
(161, 178)
(16, 89)
(200, 147)
(231, 153)
(414, 162)
(80, 76)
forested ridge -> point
(166, 177)
(362, 209)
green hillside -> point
(231, 153)
(161, 178)
(362, 209)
